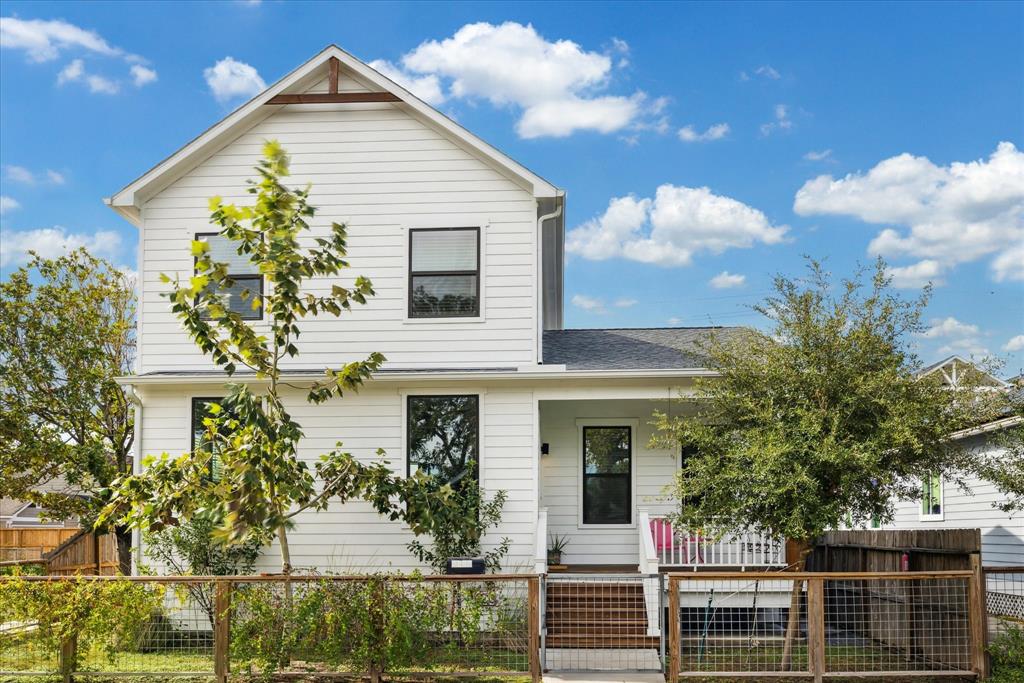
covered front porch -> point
(602, 488)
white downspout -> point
(539, 294)
(133, 396)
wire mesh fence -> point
(267, 625)
(603, 622)
(823, 624)
(1004, 598)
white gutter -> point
(443, 375)
(133, 396)
(538, 296)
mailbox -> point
(465, 565)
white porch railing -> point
(540, 555)
(681, 548)
(649, 565)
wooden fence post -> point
(673, 629)
(978, 615)
(816, 628)
(533, 601)
(222, 630)
(68, 655)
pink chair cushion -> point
(661, 529)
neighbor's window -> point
(443, 437)
(931, 496)
(444, 273)
(607, 465)
(243, 273)
(201, 436)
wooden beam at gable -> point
(334, 98)
(332, 81)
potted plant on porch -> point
(556, 545)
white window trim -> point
(481, 396)
(478, 222)
(922, 516)
(633, 424)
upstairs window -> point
(443, 435)
(444, 273)
(247, 284)
(931, 497)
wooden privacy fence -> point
(31, 544)
(878, 550)
(269, 625)
(837, 624)
(81, 553)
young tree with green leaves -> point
(246, 472)
(819, 421)
(67, 329)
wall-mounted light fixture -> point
(544, 449)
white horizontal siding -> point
(379, 170)
(353, 537)
(560, 471)
(1002, 534)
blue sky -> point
(737, 112)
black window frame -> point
(628, 475)
(412, 274)
(249, 314)
(408, 432)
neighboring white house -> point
(945, 505)
(464, 247)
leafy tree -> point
(1003, 465)
(817, 421)
(459, 529)
(67, 329)
(193, 549)
(252, 440)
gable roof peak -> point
(129, 200)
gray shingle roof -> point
(651, 348)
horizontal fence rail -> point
(269, 625)
(692, 549)
(817, 625)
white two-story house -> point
(464, 247)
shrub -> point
(373, 625)
(105, 615)
(1007, 650)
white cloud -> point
(958, 337)
(916, 275)
(823, 155)
(944, 328)
(588, 303)
(625, 302)
(43, 40)
(230, 78)
(1009, 264)
(19, 174)
(8, 204)
(768, 72)
(727, 280)
(950, 214)
(674, 321)
(671, 228)
(55, 177)
(427, 88)
(75, 72)
(715, 132)
(1015, 344)
(555, 85)
(142, 75)
(781, 122)
(561, 118)
(72, 72)
(52, 242)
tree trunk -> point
(124, 549)
(793, 622)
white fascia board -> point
(453, 375)
(128, 200)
